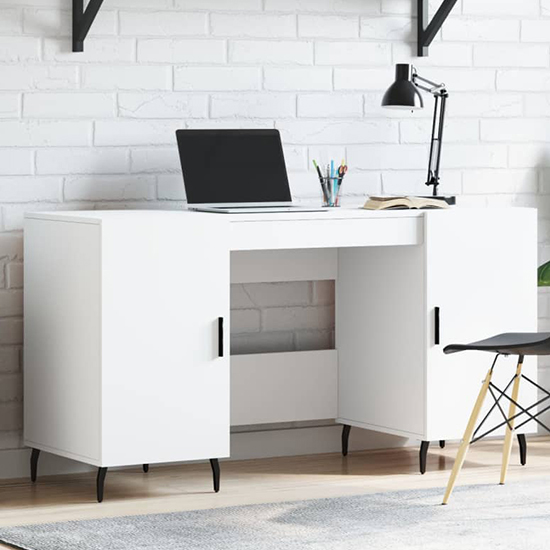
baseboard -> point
(247, 445)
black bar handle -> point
(220, 336)
(437, 320)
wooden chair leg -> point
(465, 444)
(507, 448)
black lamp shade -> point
(403, 94)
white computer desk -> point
(127, 324)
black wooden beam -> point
(82, 21)
(428, 29)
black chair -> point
(520, 344)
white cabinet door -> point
(165, 380)
(481, 274)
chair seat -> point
(509, 343)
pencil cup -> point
(330, 188)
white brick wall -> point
(96, 130)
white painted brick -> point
(252, 25)
(68, 105)
(229, 124)
(126, 78)
(164, 50)
(97, 50)
(413, 182)
(11, 303)
(298, 78)
(241, 5)
(458, 155)
(162, 105)
(466, 80)
(500, 7)
(537, 105)
(11, 246)
(456, 130)
(14, 213)
(528, 80)
(10, 21)
(170, 187)
(278, 294)
(81, 161)
(15, 49)
(30, 189)
(39, 77)
(163, 23)
(323, 154)
(155, 160)
(505, 55)
(280, 52)
(330, 105)
(239, 298)
(323, 293)
(14, 271)
(15, 162)
(535, 30)
(486, 105)
(352, 53)
(544, 187)
(245, 320)
(360, 184)
(297, 318)
(328, 26)
(254, 105)
(441, 55)
(9, 358)
(11, 440)
(11, 416)
(387, 28)
(376, 157)
(136, 132)
(217, 79)
(9, 105)
(45, 133)
(500, 181)
(322, 6)
(58, 23)
(363, 79)
(117, 188)
(528, 156)
(328, 131)
(404, 7)
(295, 157)
(481, 30)
(11, 387)
(11, 332)
(512, 130)
(545, 7)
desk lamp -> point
(404, 94)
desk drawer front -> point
(264, 235)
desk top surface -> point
(344, 213)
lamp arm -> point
(433, 88)
(437, 139)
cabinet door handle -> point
(437, 321)
(220, 336)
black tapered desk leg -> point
(441, 443)
(101, 473)
(215, 473)
(146, 468)
(34, 464)
(522, 449)
(423, 455)
(345, 439)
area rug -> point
(486, 517)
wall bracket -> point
(82, 21)
(428, 30)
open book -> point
(385, 203)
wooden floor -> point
(189, 487)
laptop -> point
(235, 171)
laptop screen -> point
(233, 166)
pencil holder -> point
(330, 188)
